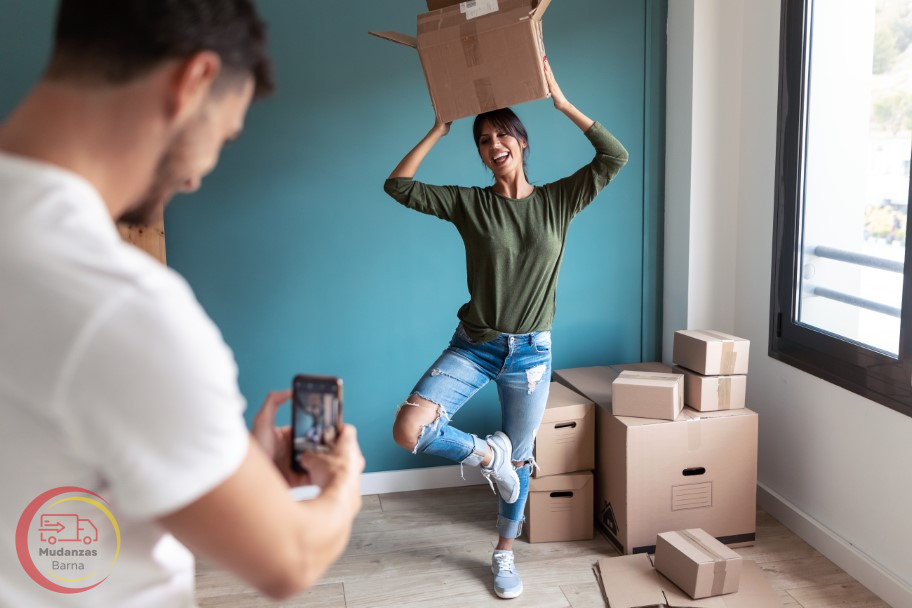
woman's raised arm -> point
(408, 166)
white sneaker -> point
(501, 468)
(507, 583)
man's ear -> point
(192, 83)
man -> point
(112, 378)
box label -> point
(478, 8)
(691, 496)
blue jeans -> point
(520, 364)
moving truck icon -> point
(67, 527)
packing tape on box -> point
(720, 564)
(468, 33)
(729, 357)
(484, 93)
(426, 26)
(670, 377)
(725, 393)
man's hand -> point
(276, 440)
(344, 463)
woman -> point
(514, 234)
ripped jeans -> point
(520, 364)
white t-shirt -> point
(112, 379)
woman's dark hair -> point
(507, 121)
(115, 41)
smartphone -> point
(316, 414)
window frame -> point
(855, 367)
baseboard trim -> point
(862, 567)
(384, 482)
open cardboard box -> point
(631, 581)
(479, 56)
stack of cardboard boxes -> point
(680, 467)
(560, 500)
(714, 365)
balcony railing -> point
(858, 259)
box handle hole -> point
(565, 425)
(561, 494)
(694, 471)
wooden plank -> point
(845, 595)
(150, 239)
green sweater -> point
(514, 247)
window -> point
(841, 304)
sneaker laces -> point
(488, 474)
(504, 561)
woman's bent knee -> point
(414, 415)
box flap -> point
(630, 581)
(397, 37)
(433, 5)
(557, 483)
(539, 10)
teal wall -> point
(307, 266)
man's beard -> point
(151, 206)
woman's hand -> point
(441, 128)
(560, 101)
(557, 96)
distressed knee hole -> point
(410, 428)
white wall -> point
(834, 466)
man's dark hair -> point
(116, 41)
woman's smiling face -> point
(501, 152)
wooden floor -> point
(433, 548)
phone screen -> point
(316, 413)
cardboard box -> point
(479, 56)
(697, 563)
(560, 508)
(631, 582)
(711, 353)
(595, 382)
(648, 394)
(565, 442)
(713, 393)
(651, 476)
